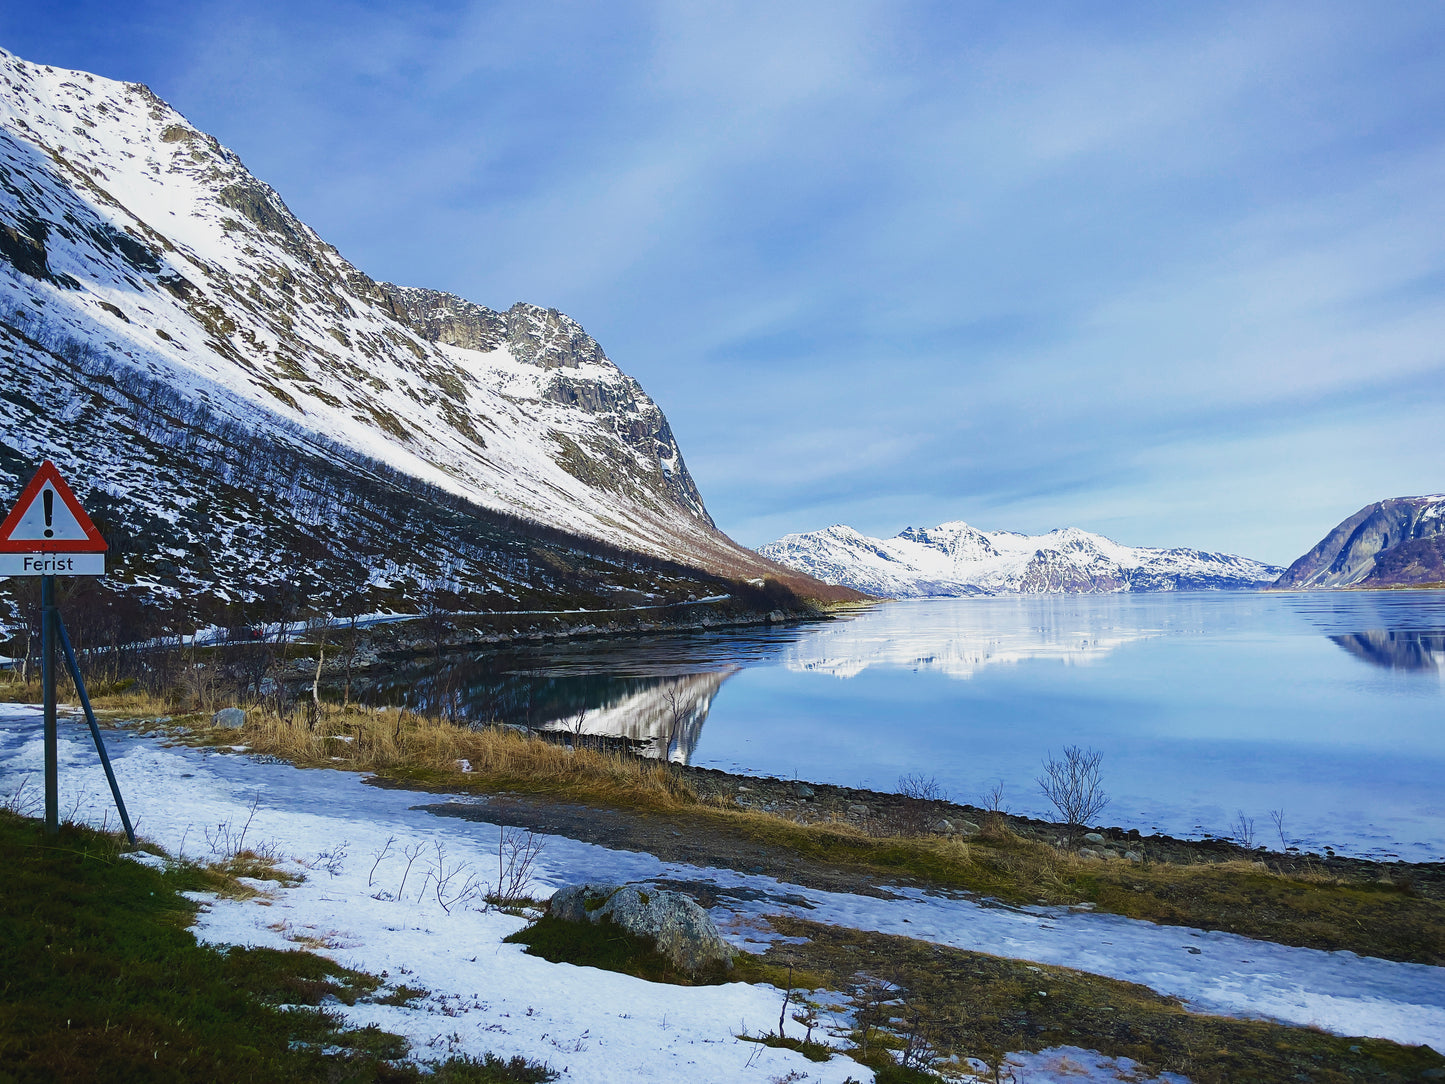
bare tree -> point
(350, 644)
(317, 627)
(677, 713)
(1277, 816)
(1073, 785)
(573, 726)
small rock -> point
(1089, 853)
(944, 825)
(968, 828)
(1093, 837)
(858, 809)
(1194, 951)
(802, 790)
(776, 617)
(1133, 856)
(229, 718)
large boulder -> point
(681, 930)
(229, 718)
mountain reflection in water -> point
(663, 720)
(1396, 630)
(1396, 649)
(650, 696)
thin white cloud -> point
(890, 262)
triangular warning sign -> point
(48, 519)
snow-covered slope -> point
(956, 559)
(149, 282)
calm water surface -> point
(1327, 706)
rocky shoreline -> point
(677, 839)
(888, 813)
(414, 638)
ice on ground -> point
(363, 906)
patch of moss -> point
(607, 946)
(975, 1005)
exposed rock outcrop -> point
(1391, 543)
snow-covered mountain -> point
(1399, 542)
(225, 387)
(956, 559)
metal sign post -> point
(47, 695)
(47, 534)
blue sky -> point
(1169, 272)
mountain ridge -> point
(171, 333)
(956, 559)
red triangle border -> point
(92, 543)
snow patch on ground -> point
(360, 905)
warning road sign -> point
(47, 533)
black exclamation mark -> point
(48, 496)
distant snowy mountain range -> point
(956, 559)
(251, 414)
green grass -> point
(100, 979)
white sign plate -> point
(52, 564)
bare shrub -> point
(921, 788)
(1073, 786)
(331, 861)
(19, 802)
(922, 806)
(517, 854)
(993, 798)
(411, 853)
(227, 841)
(379, 854)
(453, 883)
(1242, 829)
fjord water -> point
(1327, 706)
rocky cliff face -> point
(178, 341)
(957, 559)
(1395, 542)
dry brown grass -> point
(404, 745)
